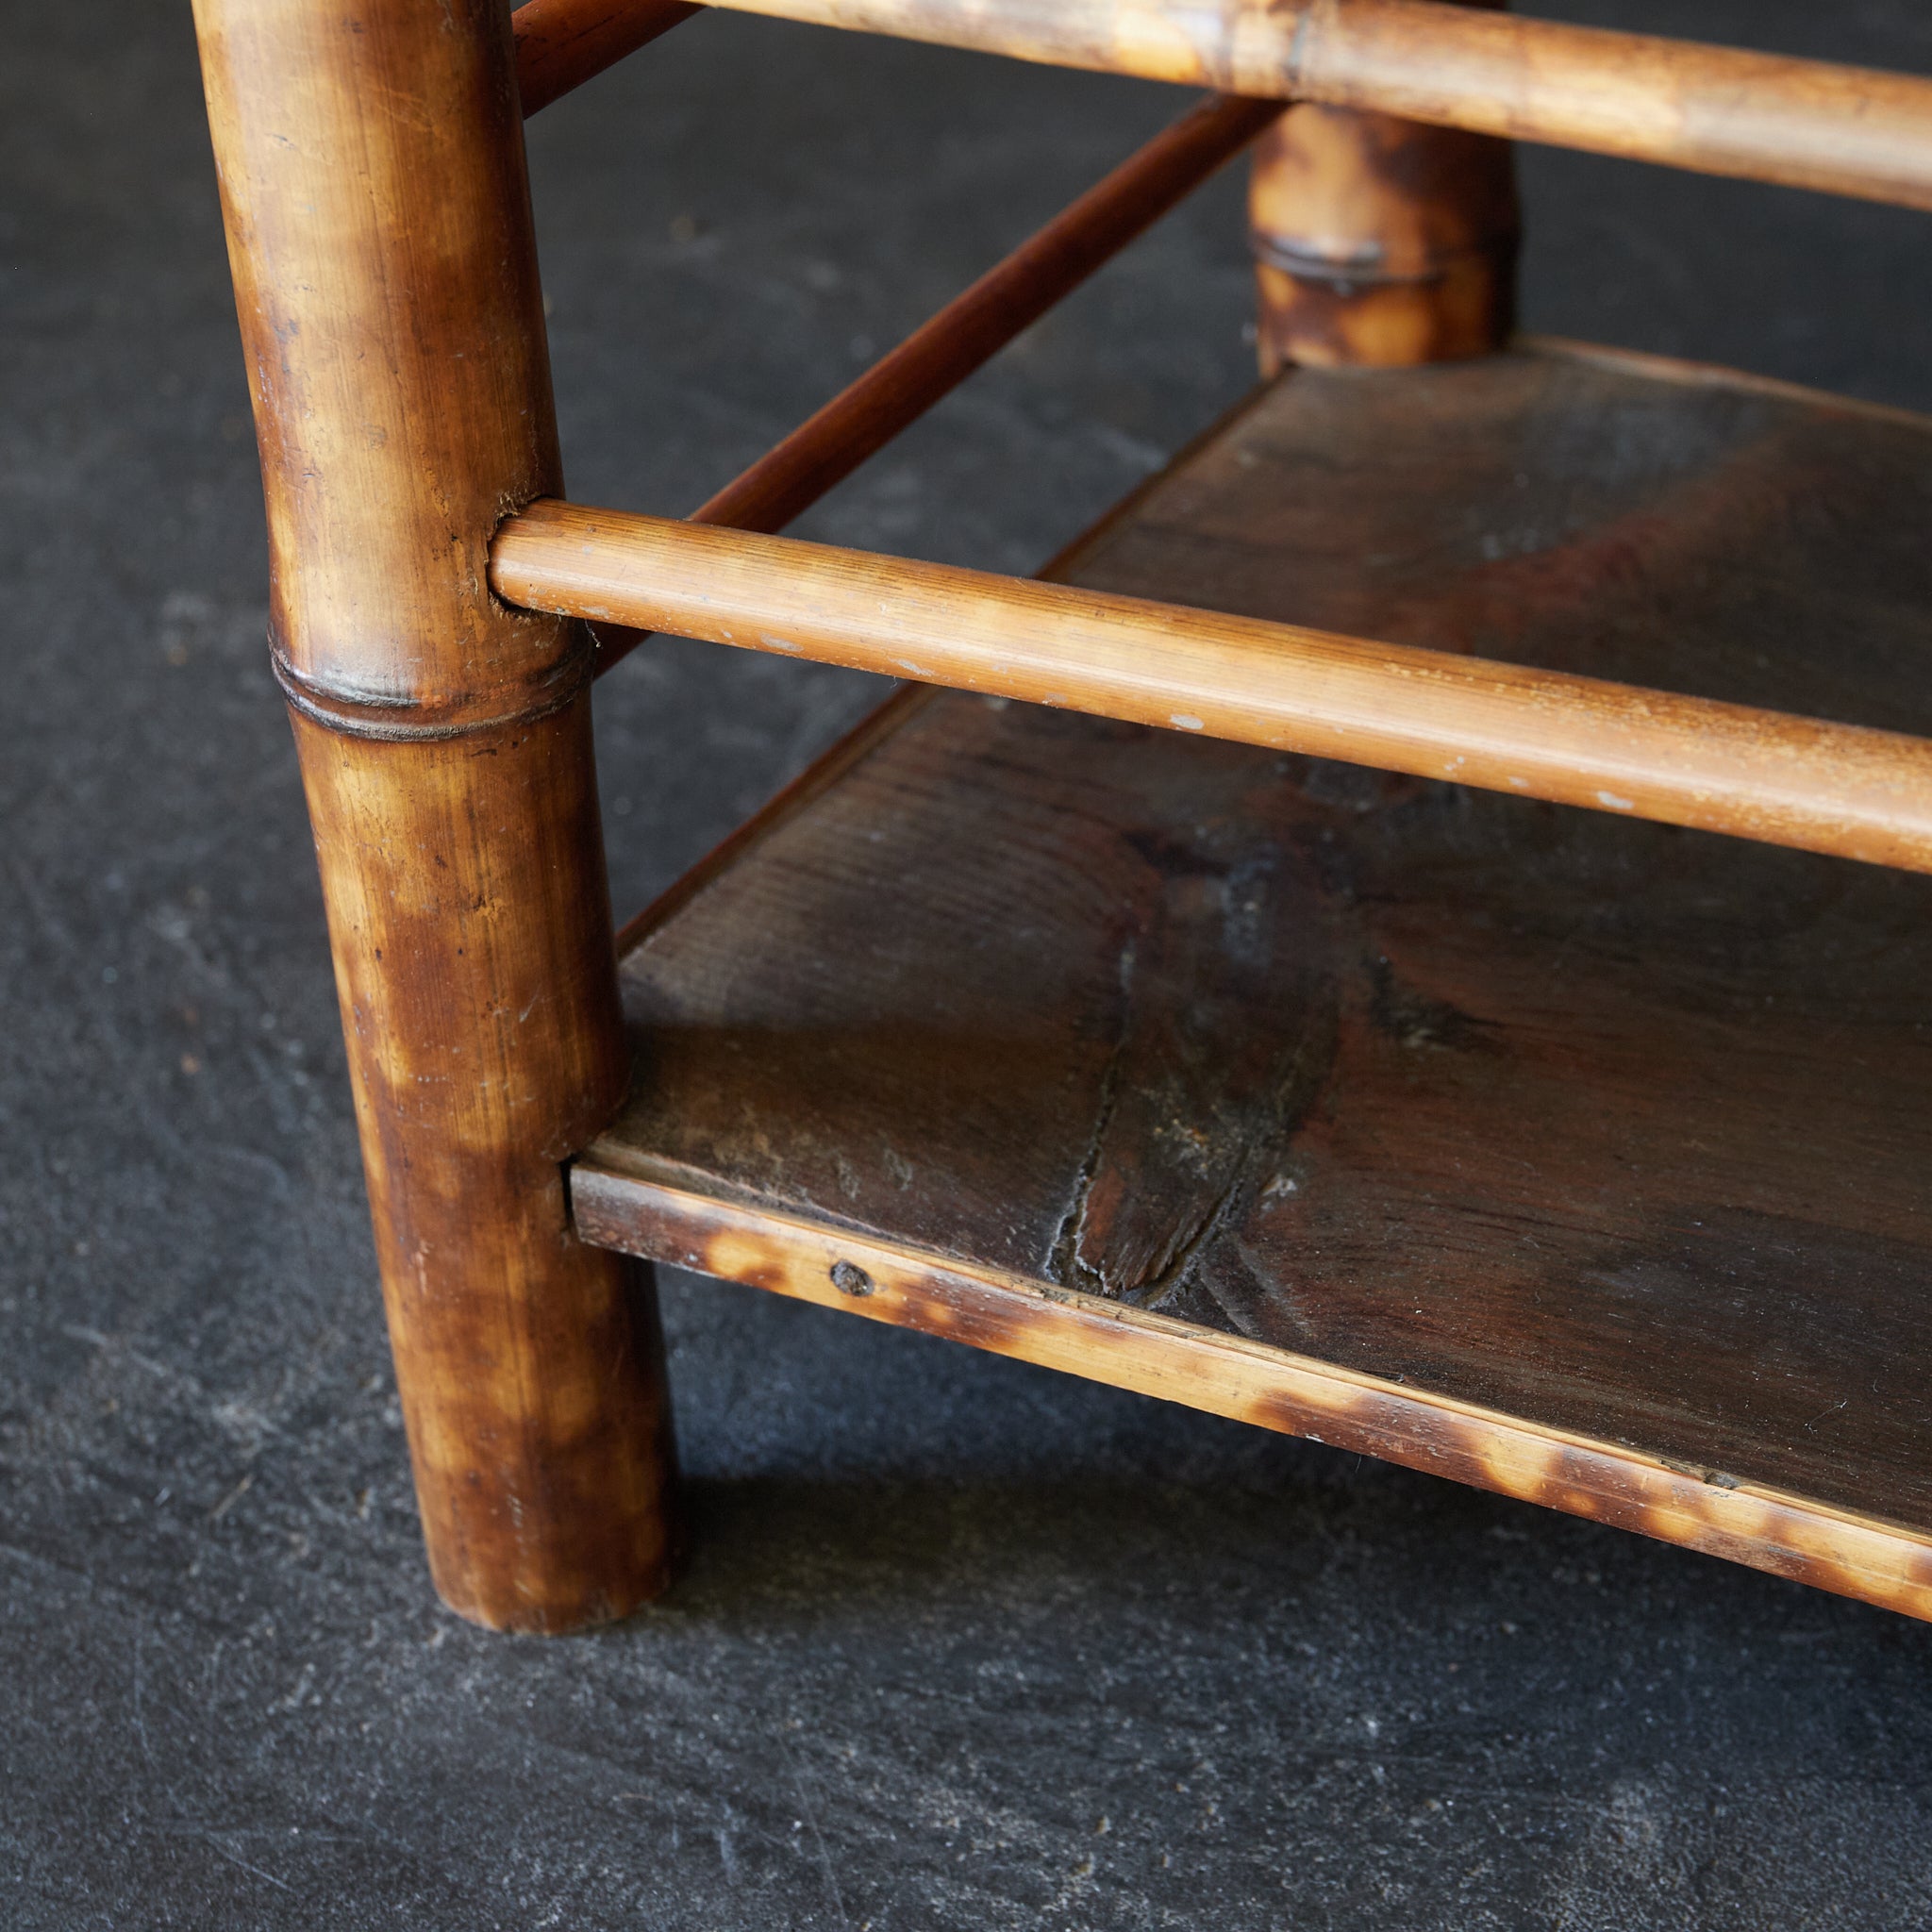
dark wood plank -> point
(1586, 510)
(1618, 1130)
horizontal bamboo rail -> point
(1807, 124)
(562, 44)
(1575, 740)
(972, 327)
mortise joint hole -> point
(848, 1278)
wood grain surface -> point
(1614, 1130)
(1845, 130)
(378, 221)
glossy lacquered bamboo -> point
(562, 44)
(972, 327)
(1379, 241)
(373, 184)
(1807, 124)
(1573, 741)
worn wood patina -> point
(1518, 1124)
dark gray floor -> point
(962, 1645)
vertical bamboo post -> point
(371, 171)
(1379, 240)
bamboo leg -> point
(373, 184)
(1379, 240)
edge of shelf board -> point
(1692, 373)
(1868, 1557)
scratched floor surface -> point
(962, 1645)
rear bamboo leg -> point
(372, 168)
(1379, 240)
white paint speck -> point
(776, 643)
(1614, 803)
(1186, 722)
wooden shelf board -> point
(1576, 1157)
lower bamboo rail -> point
(1574, 740)
(1768, 1528)
(1807, 124)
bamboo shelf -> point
(1579, 1157)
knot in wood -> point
(849, 1278)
